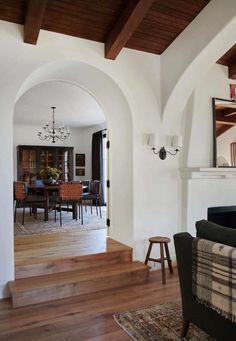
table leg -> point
(46, 206)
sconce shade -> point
(153, 140)
(177, 142)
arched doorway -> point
(118, 114)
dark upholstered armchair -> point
(193, 312)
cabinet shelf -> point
(31, 159)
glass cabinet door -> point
(46, 158)
(31, 159)
(63, 161)
(28, 164)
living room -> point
(140, 93)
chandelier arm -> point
(53, 133)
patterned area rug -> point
(160, 322)
(39, 226)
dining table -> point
(47, 191)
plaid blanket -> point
(214, 276)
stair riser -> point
(75, 263)
(85, 287)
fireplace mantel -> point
(208, 173)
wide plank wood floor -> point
(48, 247)
(84, 318)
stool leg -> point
(168, 258)
(162, 264)
(148, 253)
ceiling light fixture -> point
(51, 132)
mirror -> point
(224, 136)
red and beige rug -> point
(159, 322)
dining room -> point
(60, 161)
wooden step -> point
(39, 289)
(61, 264)
(46, 254)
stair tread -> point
(75, 276)
(68, 257)
(47, 253)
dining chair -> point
(71, 193)
(23, 199)
(94, 195)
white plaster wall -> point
(207, 190)
(204, 193)
(186, 61)
(133, 168)
(200, 123)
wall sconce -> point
(153, 141)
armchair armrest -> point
(183, 248)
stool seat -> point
(163, 241)
(159, 239)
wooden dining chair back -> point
(19, 190)
(22, 199)
(94, 195)
(71, 192)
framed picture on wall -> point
(80, 172)
(80, 160)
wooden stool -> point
(162, 241)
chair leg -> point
(148, 253)
(55, 211)
(23, 217)
(99, 202)
(91, 205)
(82, 215)
(36, 210)
(185, 327)
(76, 210)
(60, 214)
(96, 206)
(168, 258)
(163, 273)
(15, 211)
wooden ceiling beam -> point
(232, 70)
(226, 121)
(124, 28)
(33, 20)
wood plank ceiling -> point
(145, 25)
(229, 59)
(225, 115)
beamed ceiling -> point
(145, 25)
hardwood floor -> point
(34, 248)
(84, 318)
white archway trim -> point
(192, 54)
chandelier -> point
(51, 132)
